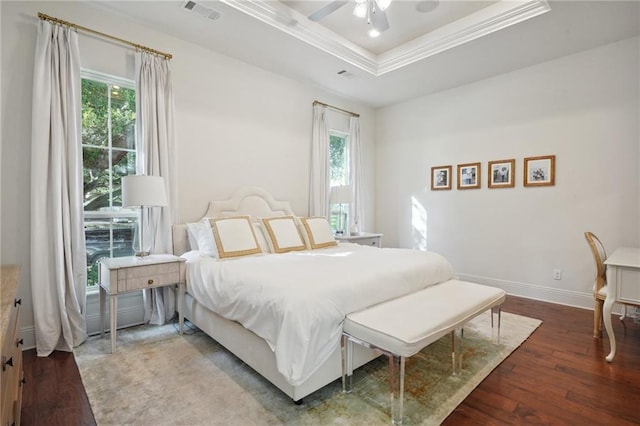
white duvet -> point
(297, 301)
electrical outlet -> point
(557, 274)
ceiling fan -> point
(373, 10)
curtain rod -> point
(336, 108)
(89, 30)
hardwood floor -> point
(557, 377)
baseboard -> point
(536, 292)
(130, 313)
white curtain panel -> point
(156, 157)
(58, 259)
(319, 190)
(356, 213)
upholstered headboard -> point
(250, 200)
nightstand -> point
(363, 238)
(121, 275)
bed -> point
(293, 345)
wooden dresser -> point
(11, 344)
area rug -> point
(158, 377)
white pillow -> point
(283, 234)
(202, 236)
(318, 232)
(258, 229)
(234, 236)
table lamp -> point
(143, 191)
(341, 194)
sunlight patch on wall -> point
(418, 225)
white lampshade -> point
(341, 194)
(142, 190)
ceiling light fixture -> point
(361, 9)
(383, 4)
(373, 10)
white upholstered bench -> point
(402, 327)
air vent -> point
(203, 11)
(346, 74)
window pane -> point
(108, 152)
(95, 113)
(338, 160)
(339, 175)
(107, 237)
(123, 117)
(98, 191)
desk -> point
(623, 286)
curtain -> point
(320, 178)
(356, 213)
(58, 257)
(155, 138)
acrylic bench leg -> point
(347, 364)
(457, 340)
(495, 324)
(396, 385)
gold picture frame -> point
(502, 173)
(441, 177)
(469, 176)
(540, 171)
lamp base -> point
(142, 254)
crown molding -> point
(486, 21)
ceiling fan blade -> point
(326, 10)
(378, 18)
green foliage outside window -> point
(108, 139)
(108, 153)
(338, 160)
(338, 175)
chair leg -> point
(597, 319)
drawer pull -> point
(7, 362)
(17, 302)
(19, 342)
(150, 281)
(23, 381)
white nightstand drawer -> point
(363, 238)
(373, 241)
(150, 276)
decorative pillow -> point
(318, 232)
(234, 236)
(283, 234)
(201, 238)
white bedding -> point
(297, 301)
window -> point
(108, 153)
(339, 180)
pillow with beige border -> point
(282, 234)
(234, 236)
(318, 231)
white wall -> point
(582, 108)
(236, 124)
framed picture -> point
(441, 177)
(469, 176)
(501, 173)
(540, 171)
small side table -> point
(363, 238)
(121, 275)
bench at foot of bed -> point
(402, 327)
